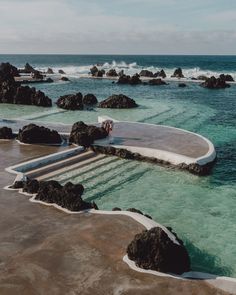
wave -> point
(131, 69)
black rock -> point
(99, 74)
(119, 101)
(28, 68)
(202, 77)
(35, 134)
(182, 85)
(18, 184)
(116, 209)
(85, 135)
(71, 102)
(90, 99)
(135, 211)
(215, 83)
(121, 73)
(161, 74)
(146, 73)
(50, 71)
(178, 73)
(9, 69)
(134, 80)
(153, 249)
(157, 82)
(67, 196)
(112, 73)
(31, 186)
(6, 133)
(61, 72)
(227, 78)
(93, 70)
(49, 80)
(65, 79)
(37, 75)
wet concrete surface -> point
(46, 251)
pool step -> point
(58, 166)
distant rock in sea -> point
(215, 83)
(227, 78)
(119, 101)
(157, 82)
(146, 73)
(112, 73)
(161, 74)
(154, 250)
(126, 79)
(178, 73)
(182, 85)
(61, 72)
(49, 71)
(34, 134)
(64, 79)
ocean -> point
(200, 209)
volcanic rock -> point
(153, 249)
(9, 69)
(227, 78)
(178, 73)
(61, 72)
(65, 79)
(215, 83)
(50, 71)
(112, 73)
(90, 99)
(182, 85)
(71, 102)
(202, 77)
(85, 135)
(134, 80)
(119, 101)
(157, 82)
(6, 133)
(146, 73)
(35, 134)
(161, 74)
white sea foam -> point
(132, 68)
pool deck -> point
(169, 144)
(46, 251)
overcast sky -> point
(118, 26)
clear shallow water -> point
(200, 210)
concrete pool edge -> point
(227, 284)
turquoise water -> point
(200, 210)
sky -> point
(118, 26)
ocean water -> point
(202, 210)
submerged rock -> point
(119, 101)
(35, 134)
(90, 99)
(67, 196)
(85, 135)
(153, 249)
(157, 82)
(178, 73)
(112, 73)
(6, 133)
(65, 79)
(182, 85)
(71, 102)
(215, 83)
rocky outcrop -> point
(153, 249)
(49, 71)
(215, 83)
(9, 69)
(157, 82)
(178, 73)
(146, 73)
(37, 75)
(35, 134)
(71, 102)
(65, 79)
(121, 73)
(112, 73)
(6, 133)
(134, 80)
(61, 72)
(28, 69)
(119, 101)
(13, 92)
(161, 74)
(227, 78)
(90, 99)
(67, 196)
(95, 72)
(85, 135)
(182, 85)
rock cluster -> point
(76, 101)
(119, 101)
(52, 192)
(112, 73)
(13, 92)
(178, 73)
(38, 134)
(153, 249)
(6, 133)
(150, 74)
(85, 135)
(126, 79)
(95, 72)
(215, 83)
(227, 78)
